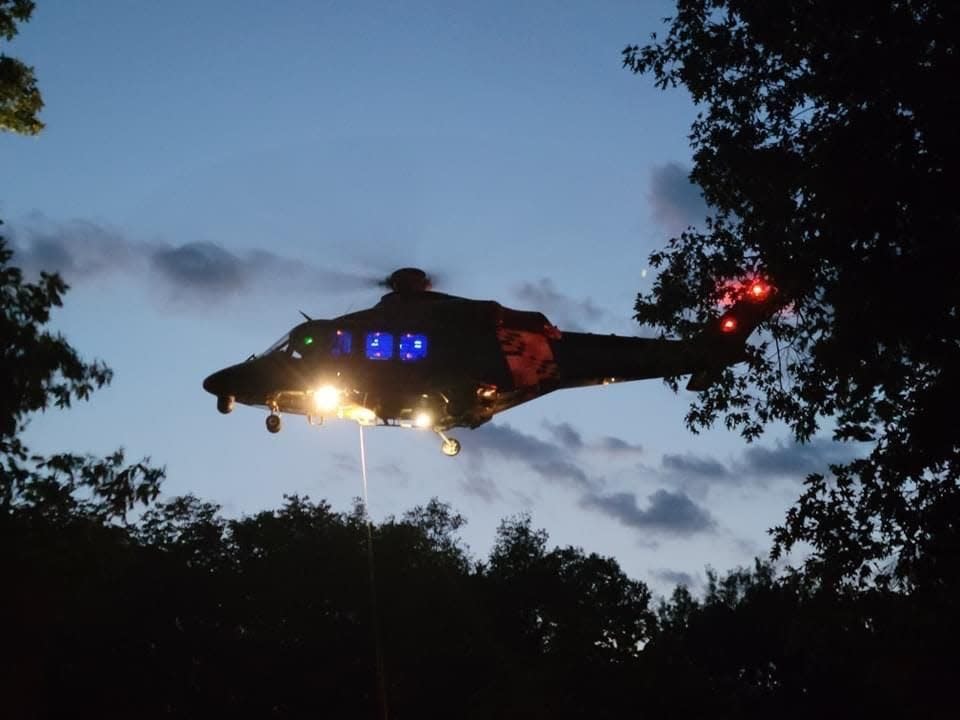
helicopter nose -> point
(217, 383)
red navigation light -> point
(728, 324)
(758, 290)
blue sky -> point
(498, 144)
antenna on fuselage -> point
(306, 317)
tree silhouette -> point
(757, 645)
(20, 99)
(39, 369)
(186, 612)
(826, 148)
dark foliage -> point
(188, 613)
(826, 146)
(40, 369)
(756, 646)
(20, 99)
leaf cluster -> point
(758, 645)
(825, 144)
(20, 99)
(39, 369)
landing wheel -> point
(273, 423)
(450, 447)
(225, 404)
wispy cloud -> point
(617, 446)
(758, 465)
(695, 466)
(78, 251)
(565, 434)
(676, 201)
(546, 459)
(564, 457)
(345, 462)
(566, 312)
(480, 485)
(82, 251)
(675, 577)
(572, 439)
(667, 512)
(795, 460)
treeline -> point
(185, 613)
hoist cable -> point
(378, 648)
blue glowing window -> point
(413, 347)
(379, 346)
(342, 343)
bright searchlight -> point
(423, 419)
(326, 399)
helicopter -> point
(429, 360)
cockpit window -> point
(281, 345)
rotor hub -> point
(409, 280)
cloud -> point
(565, 434)
(572, 439)
(82, 251)
(557, 459)
(758, 466)
(697, 474)
(78, 251)
(206, 269)
(795, 460)
(201, 267)
(345, 462)
(481, 486)
(566, 312)
(693, 466)
(676, 201)
(395, 471)
(546, 459)
(668, 512)
(675, 577)
(617, 446)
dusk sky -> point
(210, 169)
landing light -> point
(364, 416)
(487, 391)
(423, 419)
(326, 398)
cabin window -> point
(379, 346)
(342, 343)
(413, 347)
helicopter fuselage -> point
(437, 361)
